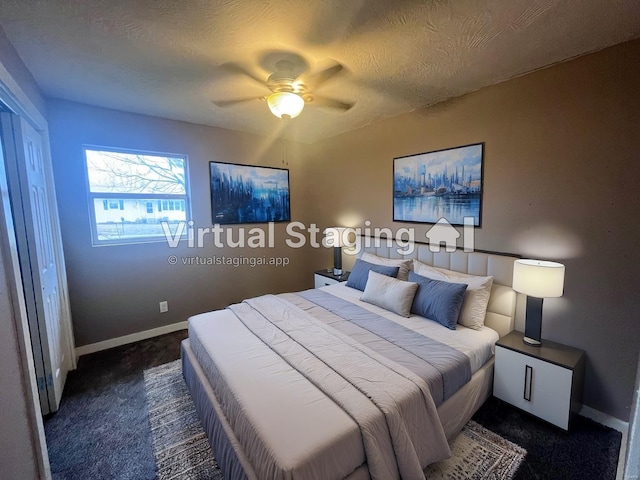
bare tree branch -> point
(129, 173)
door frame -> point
(632, 470)
(15, 100)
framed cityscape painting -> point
(248, 194)
(441, 184)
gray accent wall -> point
(561, 173)
(115, 290)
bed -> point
(320, 384)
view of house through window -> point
(132, 193)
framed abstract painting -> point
(440, 184)
(248, 194)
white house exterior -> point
(137, 210)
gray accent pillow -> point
(438, 300)
(360, 273)
(405, 266)
(389, 293)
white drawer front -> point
(321, 281)
(543, 389)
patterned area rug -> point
(182, 450)
(180, 446)
(478, 453)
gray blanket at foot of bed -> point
(391, 404)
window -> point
(124, 188)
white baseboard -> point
(604, 419)
(134, 337)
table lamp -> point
(538, 279)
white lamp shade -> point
(538, 278)
(334, 236)
(285, 104)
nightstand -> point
(545, 381)
(324, 278)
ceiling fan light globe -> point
(285, 104)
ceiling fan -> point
(288, 93)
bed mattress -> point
(288, 427)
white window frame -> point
(91, 196)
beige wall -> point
(115, 290)
(561, 173)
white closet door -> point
(41, 259)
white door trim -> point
(14, 97)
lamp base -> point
(533, 322)
(531, 342)
(337, 261)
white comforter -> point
(391, 405)
(288, 426)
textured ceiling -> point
(163, 57)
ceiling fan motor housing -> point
(284, 80)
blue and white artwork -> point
(442, 184)
(249, 194)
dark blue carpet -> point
(102, 429)
(589, 451)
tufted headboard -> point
(502, 303)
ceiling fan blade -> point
(316, 79)
(331, 103)
(228, 103)
(235, 68)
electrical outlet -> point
(164, 307)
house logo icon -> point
(443, 232)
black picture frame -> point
(446, 183)
(243, 194)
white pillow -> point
(476, 298)
(405, 265)
(428, 271)
(389, 293)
